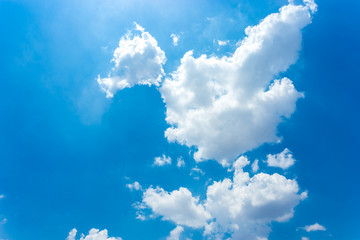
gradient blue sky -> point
(67, 152)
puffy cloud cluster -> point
(282, 160)
(134, 186)
(243, 206)
(94, 234)
(162, 160)
(178, 206)
(138, 61)
(226, 106)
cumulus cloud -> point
(314, 227)
(282, 160)
(180, 162)
(175, 39)
(134, 186)
(162, 160)
(94, 234)
(245, 206)
(138, 61)
(178, 206)
(226, 106)
(305, 238)
(175, 234)
(241, 206)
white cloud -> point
(305, 238)
(134, 186)
(282, 160)
(222, 43)
(178, 206)
(94, 234)
(242, 206)
(2, 196)
(226, 106)
(175, 39)
(180, 162)
(245, 206)
(138, 61)
(175, 234)
(162, 160)
(314, 227)
(255, 166)
(311, 4)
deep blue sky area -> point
(67, 152)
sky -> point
(179, 120)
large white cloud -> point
(138, 61)
(94, 234)
(226, 106)
(243, 206)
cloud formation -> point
(243, 206)
(227, 106)
(94, 234)
(162, 160)
(138, 61)
(175, 234)
(178, 206)
(175, 39)
(134, 186)
(314, 227)
(282, 160)
(180, 162)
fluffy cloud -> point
(226, 106)
(314, 227)
(305, 238)
(245, 206)
(282, 160)
(175, 38)
(178, 206)
(94, 234)
(241, 206)
(138, 61)
(134, 186)
(162, 160)
(175, 234)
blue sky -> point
(69, 155)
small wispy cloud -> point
(175, 39)
(162, 160)
(314, 227)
